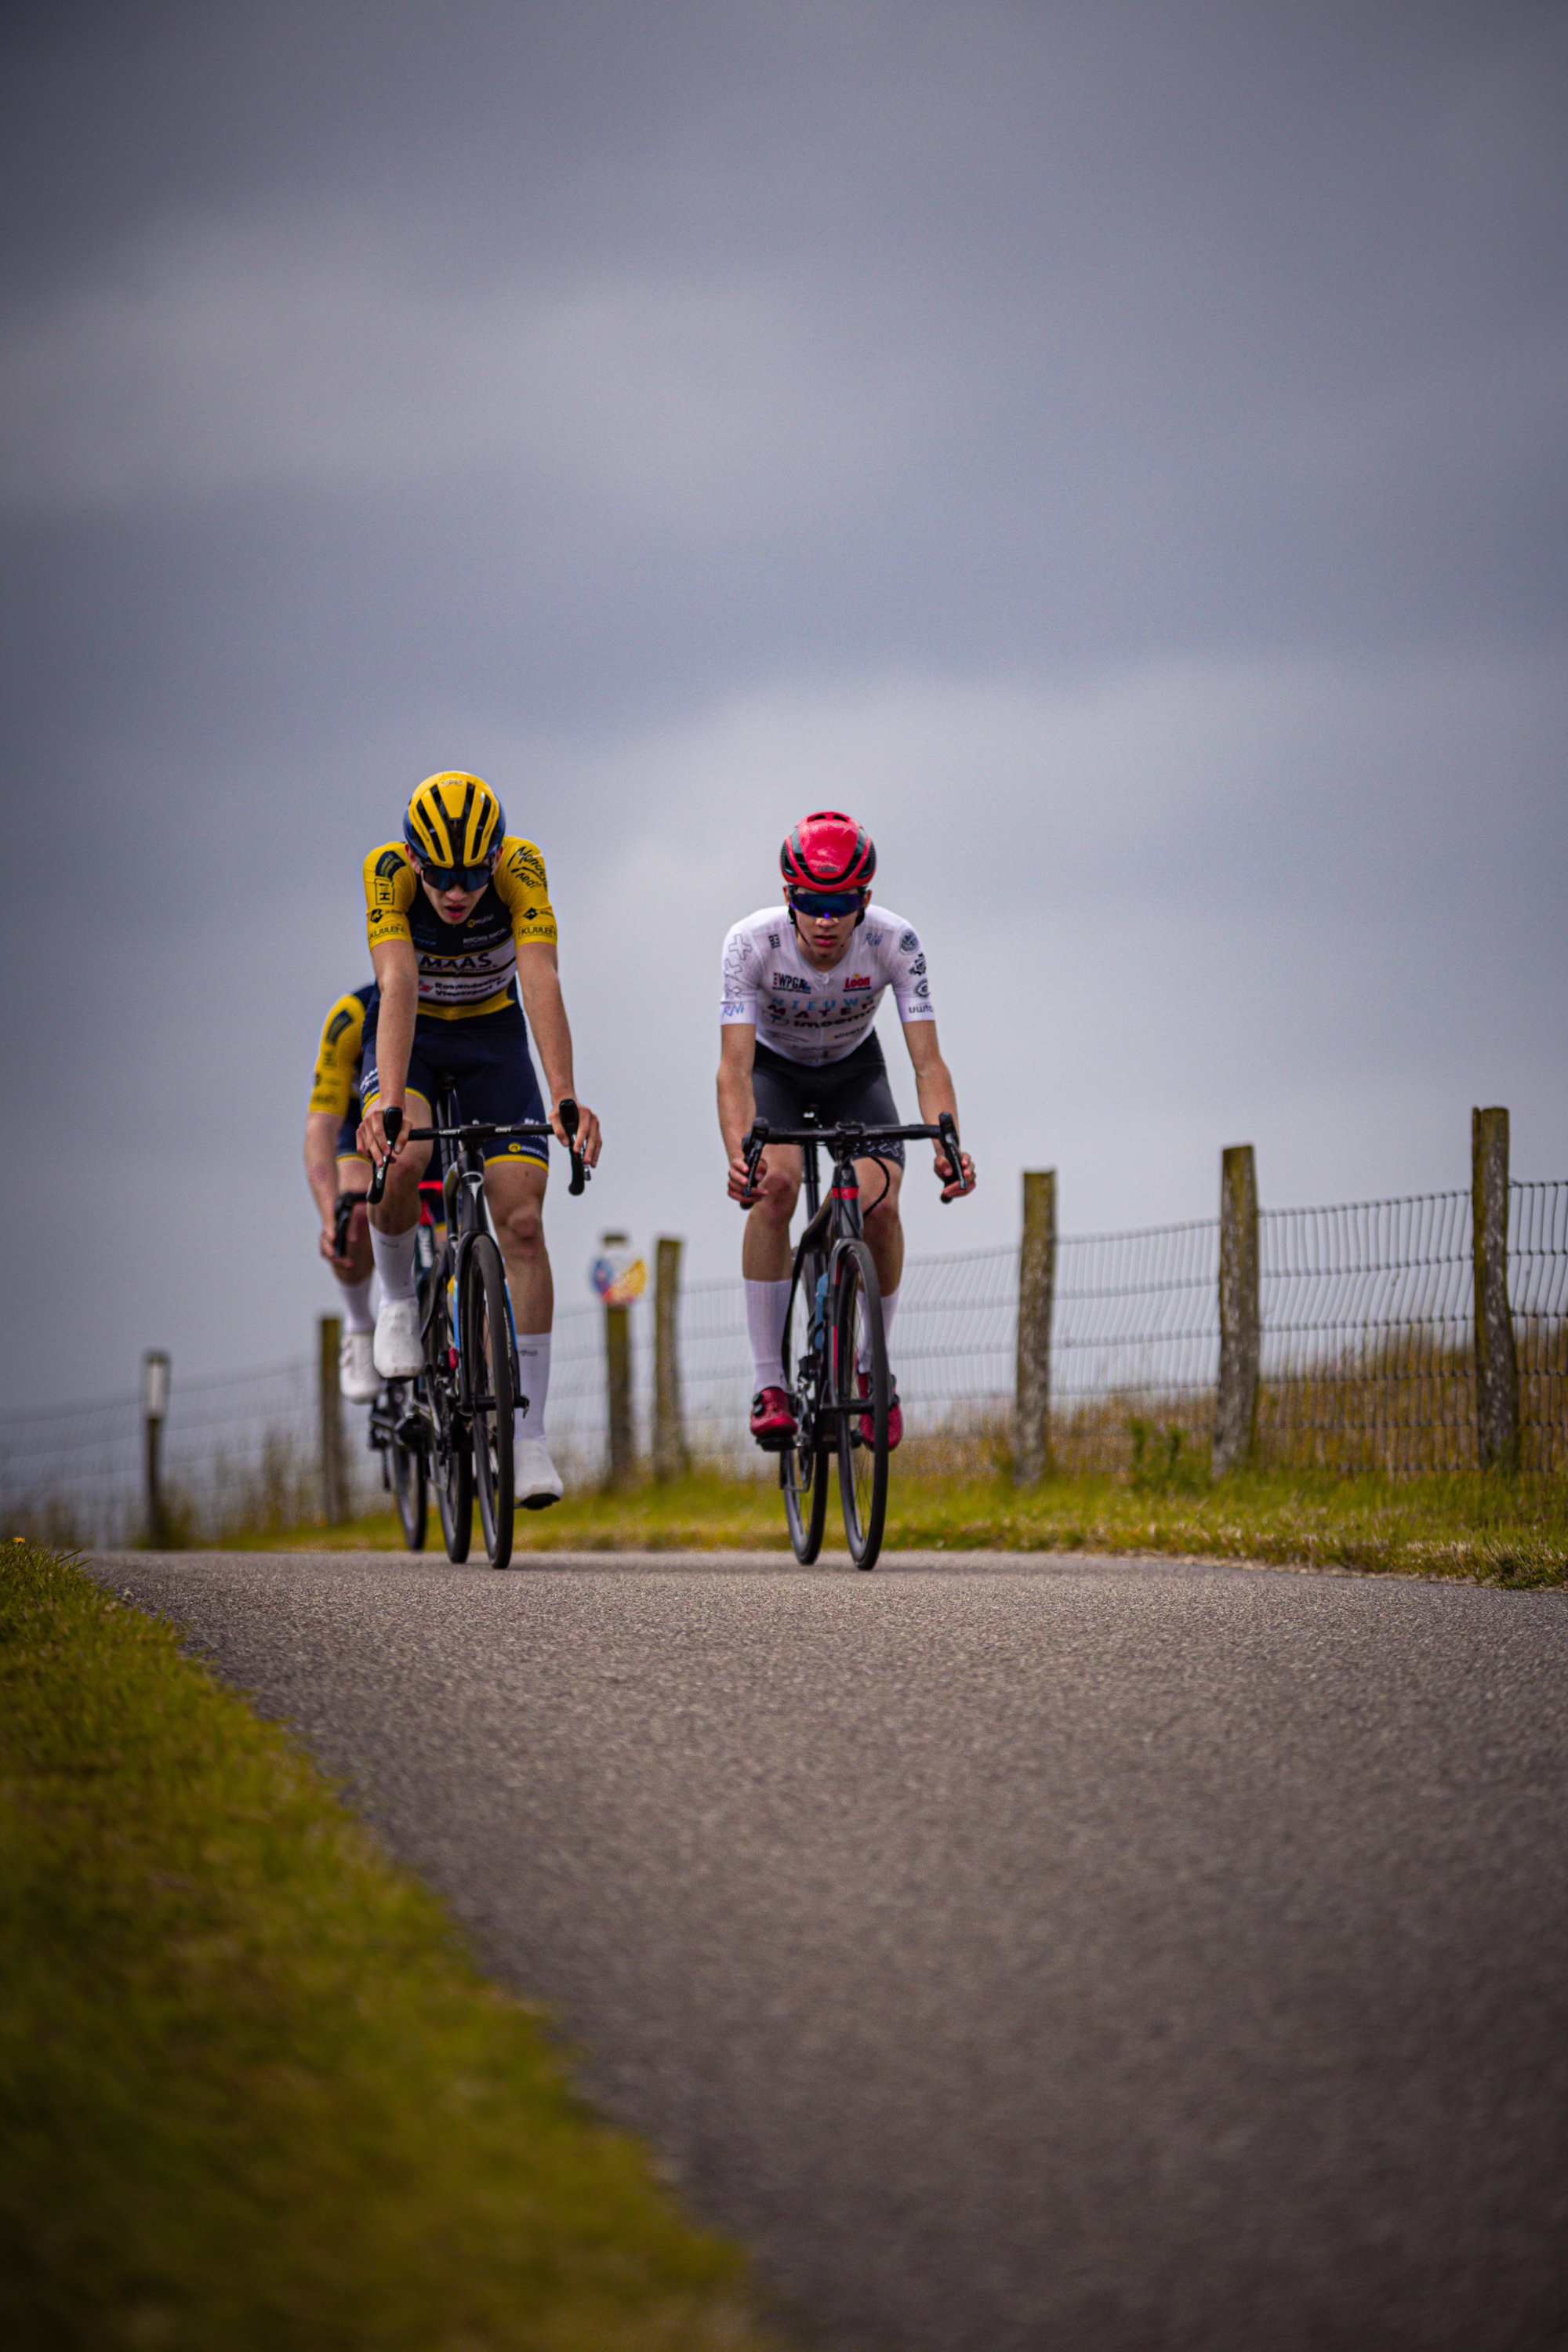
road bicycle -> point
(835, 1353)
(455, 1428)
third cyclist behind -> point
(802, 983)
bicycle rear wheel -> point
(487, 1357)
(409, 1483)
(452, 1463)
(802, 1466)
(863, 1431)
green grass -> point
(253, 2092)
(1457, 1523)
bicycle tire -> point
(862, 1467)
(453, 1478)
(802, 1466)
(409, 1482)
(487, 1358)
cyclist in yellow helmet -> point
(460, 922)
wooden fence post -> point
(670, 1457)
(1497, 1360)
(618, 1384)
(154, 1405)
(1036, 1287)
(1236, 1406)
(335, 1482)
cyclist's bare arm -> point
(397, 977)
(539, 977)
(933, 1085)
(736, 1103)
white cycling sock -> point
(395, 1256)
(355, 1296)
(532, 1384)
(767, 1304)
(889, 1303)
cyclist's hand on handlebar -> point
(588, 1140)
(954, 1187)
(371, 1140)
(745, 1183)
(341, 1266)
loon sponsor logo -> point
(857, 980)
(788, 980)
(390, 862)
(909, 942)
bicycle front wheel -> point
(802, 1466)
(859, 1388)
(452, 1463)
(486, 1357)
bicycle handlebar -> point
(846, 1133)
(480, 1130)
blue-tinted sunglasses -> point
(455, 878)
(825, 904)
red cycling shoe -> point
(773, 1423)
(895, 1412)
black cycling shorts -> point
(486, 1057)
(856, 1087)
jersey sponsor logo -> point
(857, 980)
(922, 988)
(918, 968)
(788, 980)
(528, 866)
(336, 1026)
(908, 942)
(772, 939)
(383, 915)
(390, 862)
(730, 1010)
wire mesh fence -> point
(1367, 1361)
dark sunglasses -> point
(825, 904)
(455, 878)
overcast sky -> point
(1117, 451)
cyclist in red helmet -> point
(802, 983)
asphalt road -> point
(1014, 1951)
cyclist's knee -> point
(776, 1198)
(522, 1226)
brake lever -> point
(392, 1120)
(566, 1110)
(754, 1147)
(947, 1129)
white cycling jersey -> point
(820, 1016)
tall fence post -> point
(670, 1451)
(1037, 1288)
(154, 1405)
(1497, 1359)
(334, 1481)
(1236, 1406)
(618, 1383)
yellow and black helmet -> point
(454, 825)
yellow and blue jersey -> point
(464, 969)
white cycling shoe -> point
(356, 1368)
(535, 1480)
(397, 1353)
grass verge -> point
(252, 2091)
(1459, 1523)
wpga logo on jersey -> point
(618, 1277)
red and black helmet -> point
(828, 851)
